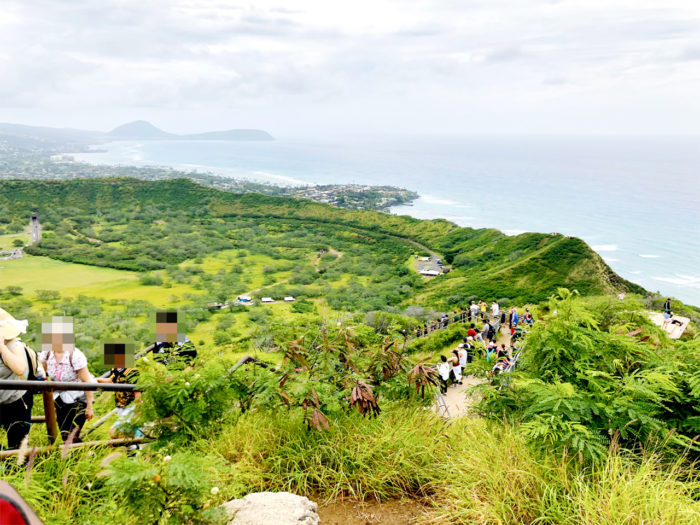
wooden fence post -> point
(50, 413)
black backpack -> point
(35, 371)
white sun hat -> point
(10, 327)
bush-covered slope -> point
(116, 222)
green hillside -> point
(596, 424)
(144, 225)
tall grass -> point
(362, 458)
(467, 471)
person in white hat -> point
(15, 405)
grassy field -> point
(41, 273)
(6, 240)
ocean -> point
(635, 200)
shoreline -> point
(635, 261)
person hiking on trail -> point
(469, 348)
(527, 318)
(513, 319)
(123, 401)
(172, 348)
(443, 374)
(483, 307)
(456, 370)
(15, 365)
(462, 353)
(63, 362)
(473, 311)
(495, 310)
(473, 333)
(120, 356)
(486, 331)
(667, 312)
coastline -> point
(652, 259)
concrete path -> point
(674, 331)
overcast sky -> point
(323, 66)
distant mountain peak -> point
(142, 130)
(138, 129)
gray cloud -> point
(347, 63)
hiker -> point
(490, 350)
(483, 307)
(527, 318)
(500, 366)
(473, 311)
(676, 321)
(172, 348)
(15, 405)
(486, 331)
(667, 312)
(123, 401)
(473, 333)
(495, 310)
(456, 370)
(469, 347)
(513, 319)
(63, 362)
(443, 374)
(462, 353)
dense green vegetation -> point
(583, 383)
(139, 225)
(594, 427)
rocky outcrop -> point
(272, 508)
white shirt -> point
(462, 357)
(65, 371)
(444, 370)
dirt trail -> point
(268, 286)
(457, 401)
(348, 512)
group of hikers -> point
(484, 340)
(492, 317)
(60, 360)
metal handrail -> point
(44, 386)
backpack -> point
(35, 372)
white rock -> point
(272, 508)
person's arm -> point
(84, 376)
(14, 359)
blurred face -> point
(166, 332)
(57, 335)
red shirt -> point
(471, 332)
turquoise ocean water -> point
(636, 201)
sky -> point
(313, 67)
